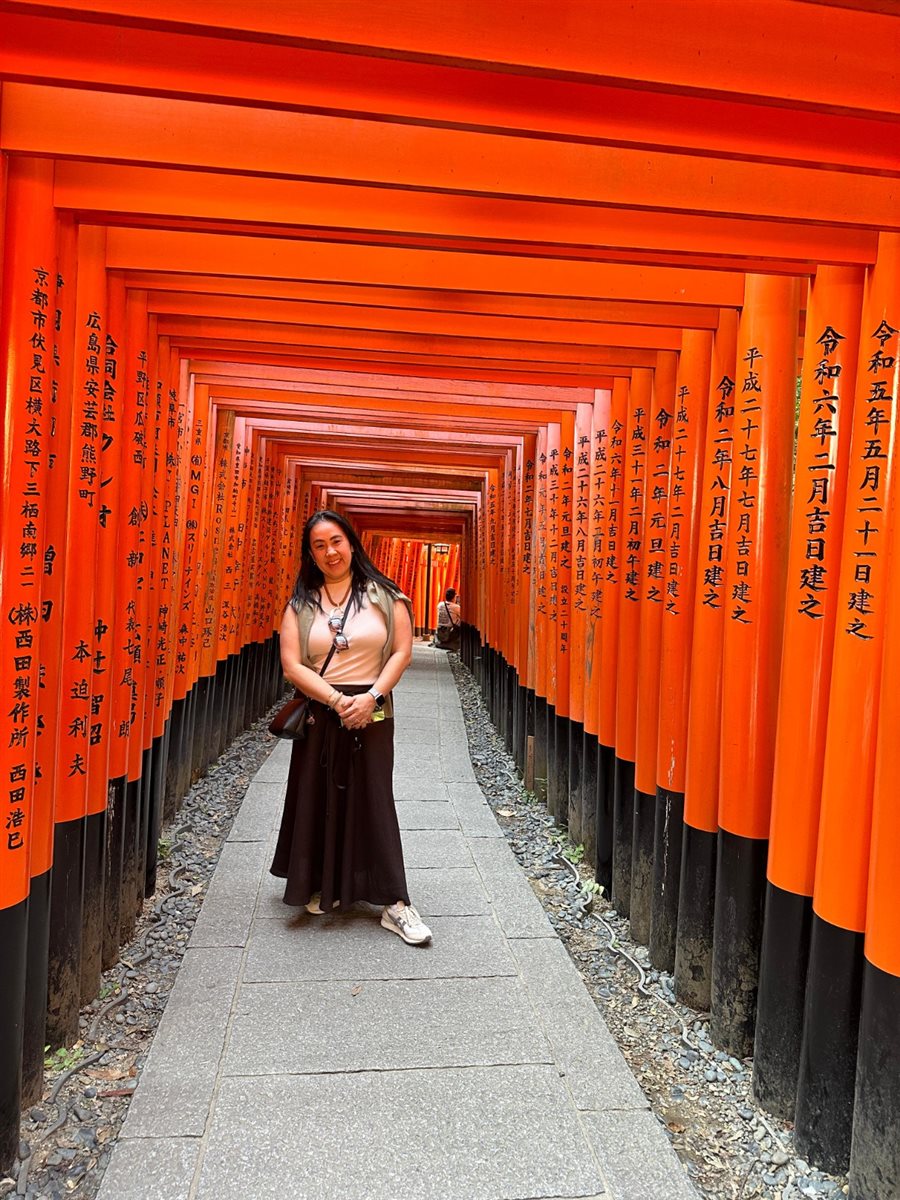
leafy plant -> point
(62, 1059)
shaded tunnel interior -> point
(593, 320)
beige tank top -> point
(365, 630)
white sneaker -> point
(406, 922)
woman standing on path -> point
(339, 840)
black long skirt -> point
(339, 833)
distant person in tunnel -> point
(449, 615)
(339, 840)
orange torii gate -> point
(572, 356)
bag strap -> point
(331, 653)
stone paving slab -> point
(151, 1169)
(179, 1077)
(473, 811)
(515, 905)
(225, 917)
(425, 788)
(435, 848)
(275, 768)
(424, 814)
(638, 1160)
(456, 766)
(435, 891)
(473, 1134)
(420, 765)
(381, 1026)
(260, 811)
(355, 947)
(595, 1070)
(447, 892)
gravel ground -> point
(67, 1138)
(731, 1148)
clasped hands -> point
(355, 711)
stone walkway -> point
(321, 1058)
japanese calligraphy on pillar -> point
(514, 528)
(541, 527)
(599, 516)
(869, 478)
(677, 497)
(745, 496)
(107, 504)
(134, 521)
(657, 504)
(819, 486)
(612, 556)
(492, 522)
(635, 490)
(528, 517)
(566, 456)
(719, 445)
(86, 449)
(23, 585)
(553, 532)
(582, 502)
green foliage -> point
(63, 1058)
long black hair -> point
(310, 580)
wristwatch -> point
(377, 697)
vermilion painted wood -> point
(299, 208)
(882, 910)
(77, 684)
(563, 625)
(193, 65)
(488, 303)
(28, 287)
(579, 594)
(595, 44)
(141, 352)
(701, 808)
(755, 560)
(54, 578)
(684, 517)
(193, 253)
(598, 453)
(634, 537)
(842, 855)
(811, 608)
(313, 337)
(652, 584)
(397, 321)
